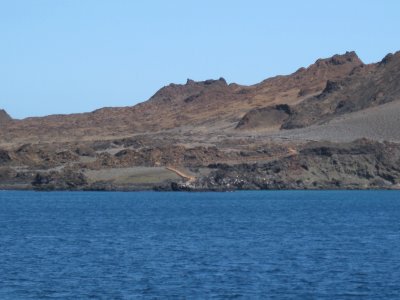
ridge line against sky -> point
(71, 56)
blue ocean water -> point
(257, 245)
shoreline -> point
(194, 190)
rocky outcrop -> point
(64, 180)
(4, 117)
(267, 117)
(4, 157)
(190, 91)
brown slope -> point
(311, 80)
(230, 105)
(379, 123)
(367, 86)
(364, 87)
(208, 103)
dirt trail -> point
(181, 174)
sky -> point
(71, 56)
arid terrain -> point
(332, 125)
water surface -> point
(274, 245)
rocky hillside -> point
(333, 124)
(211, 103)
(365, 86)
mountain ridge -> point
(193, 103)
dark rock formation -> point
(267, 117)
(64, 180)
(4, 117)
(85, 151)
(4, 157)
(189, 91)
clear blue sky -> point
(64, 56)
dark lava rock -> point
(4, 157)
(271, 116)
(4, 117)
(331, 86)
(64, 180)
(85, 151)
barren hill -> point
(324, 126)
(211, 103)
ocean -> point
(242, 245)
